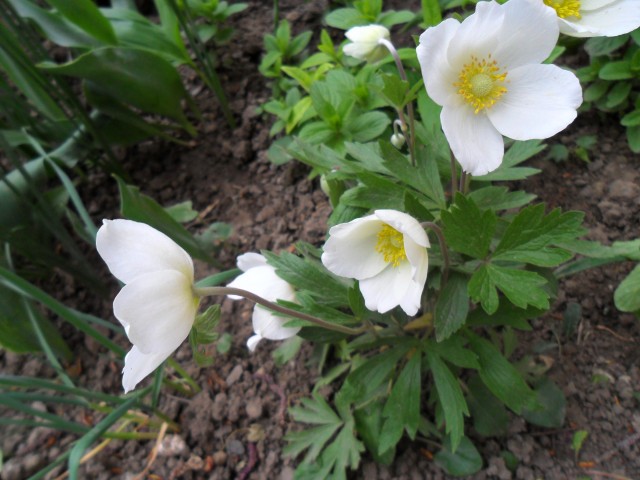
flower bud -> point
(366, 42)
(397, 140)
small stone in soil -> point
(234, 376)
(254, 408)
(235, 447)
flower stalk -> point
(218, 291)
(403, 75)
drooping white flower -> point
(366, 42)
(596, 18)
(487, 75)
(387, 253)
(261, 279)
(157, 305)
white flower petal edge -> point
(475, 142)
(132, 248)
(138, 365)
(603, 19)
(157, 306)
(261, 279)
(541, 101)
(158, 310)
(395, 247)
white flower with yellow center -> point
(366, 42)
(261, 279)
(487, 75)
(157, 305)
(596, 18)
(387, 253)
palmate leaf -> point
(521, 287)
(467, 229)
(309, 274)
(402, 410)
(331, 445)
(531, 237)
(450, 398)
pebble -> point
(172, 445)
(623, 190)
(254, 408)
(234, 376)
(219, 407)
(219, 458)
(235, 447)
(12, 470)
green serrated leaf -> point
(465, 461)
(627, 295)
(490, 418)
(531, 236)
(551, 406)
(309, 274)
(467, 229)
(501, 377)
(450, 398)
(402, 410)
(452, 307)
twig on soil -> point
(607, 475)
(278, 390)
(154, 452)
(251, 463)
(621, 445)
(618, 336)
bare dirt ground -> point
(226, 174)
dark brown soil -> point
(227, 176)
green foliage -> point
(365, 12)
(611, 80)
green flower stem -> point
(216, 291)
(183, 373)
(403, 76)
(443, 248)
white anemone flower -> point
(261, 279)
(387, 253)
(596, 18)
(487, 75)
(366, 42)
(157, 305)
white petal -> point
(351, 249)
(368, 33)
(387, 289)
(359, 50)
(405, 224)
(594, 4)
(270, 326)
(528, 34)
(253, 341)
(439, 76)
(132, 248)
(477, 35)
(159, 309)
(264, 282)
(475, 142)
(573, 29)
(540, 101)
(138, 365)
(411, 301)
(616, 18)
(250, 260)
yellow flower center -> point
(481, 83)
(391, 245)
(565, 8)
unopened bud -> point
(397, 140)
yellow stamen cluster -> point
(481, 83)
(565, 8)
(391, 245)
